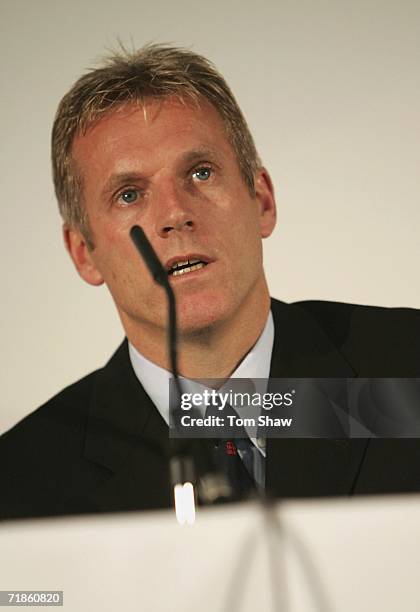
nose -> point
(173, 213)
(176, 223)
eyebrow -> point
(199, 153)
(120, 179)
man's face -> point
(170, 169)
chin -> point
(199, 316)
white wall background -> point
(331, 90)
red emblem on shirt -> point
(231, 448)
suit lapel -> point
(310, 466)
(127, 435)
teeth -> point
(196, 266)
(178, 264)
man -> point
(155, 138)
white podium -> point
(339, 555)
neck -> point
(211, 353)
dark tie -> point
(239, 471)
(239, 468)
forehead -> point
(153, 131)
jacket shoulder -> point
(42, 454)
(68, 407)
(369, 335)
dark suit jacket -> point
(101, 445)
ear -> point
(264, 193)
(81, 255)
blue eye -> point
(129, 196)
(202, 174)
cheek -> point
(112, 255)
(110, 232)
(244, 226)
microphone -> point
(181, 465)
(213, 486)
(160, 276)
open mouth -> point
(186, 266)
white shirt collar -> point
(155, 380)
